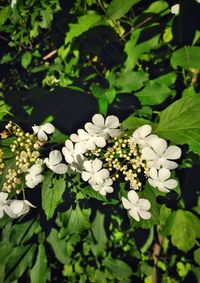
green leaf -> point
(40, 271)
(4, 15)
(180, 122)
(157, 7)
(118, 268)
(4, 109)
(119, 8)
(52, 191)
(26, 59)
(186, 57)
(183, 226)
(129, 81)
(153, 93)
(99, 234)
(59, 246)
(197, 256)
(78, 220)
(132, 123)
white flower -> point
(138, 208)
(142, 135)
(104, 188)
(94, 173)
(74, 155)
(104, 127)
(43, 130)
(160, 179)
(54, 162)
(13, 3)
(17, 208)
(3, 201)
(33, 178)
(160, 155)
(88, 141)
(175, 9)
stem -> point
(155, 254)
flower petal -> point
(148, 153)
(85, 176)
(126, 203)
(144, 204)
(69, 145)
(87, 165)
(48, 128)
(112, 122)
(103, 173)
(153, 173)
(59, 168)
(114, 133)
(3, 197)
(144, 131)
(163, 174)
(172, 152)
(159, 145)
(100, 142)
(152, 182)
(17, 206)
(97, 164)
(68, 156)
(36, 129)
(144, 214)
(169, 164)
(98, 120)
(75, 138)
(134, 213)
(35, 169)
(133, 197)
(42, 136)
(55, 157)
(1, 212)
(171, 184)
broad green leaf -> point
(183, 227)
(119, 8)
(186, 57)
(132, 123)
(4, 14)
(197, 256)
(78, 220)
(52, 191)
(157, 7)
(59, 246)
(40, 271)
(134, 51)
(99, 234)
(153, 93)
(118, 268)
(84, 23)
(47, 17)
(20, 259)
(180, 122)
(129, 81)
(89, 192)
(26, 59)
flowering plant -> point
(101, 154)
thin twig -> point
(49, 55)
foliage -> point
(134, 59)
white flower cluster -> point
(159, 157)
(101, 153)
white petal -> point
(108, 189)
(90, 144)
(3, 197)
(9, 212)
(59, 168)
(133, 197)
(42, 136)
(148, 153)
(171, 184)
(162, 188)
(74, 138)
(172, 152)
(126, 203)
(144, 214)
(29, 203)
(83, 134)
(85, 176)
(144, 130)
(114, 133)
(98, 120)
(152, 182)
(92, 129)
(108, 182)
(112, 122)
(35, 169)
(96, 187)
(100, 141)
(96, 179)
(48, 128)
(87, 165)
(97, 164)
(55, 157)
(144, 204)
(153, 173)
(80, 148)
(103, 173)
(69, 145)
(17, 206)
(134, 213)
(169, 164)
(36, 129)
(159, 145)
(67, 154)
(150, 139)
(1, 212)
(164, 174)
